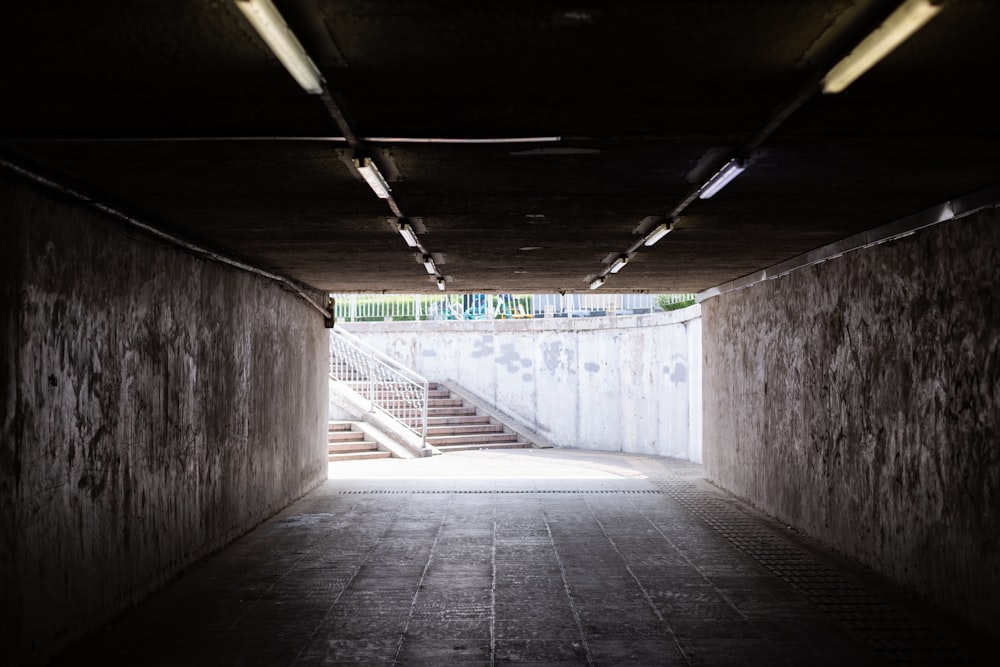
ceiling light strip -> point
(722, 178)
(650, 239)
(269, 24)
(406, 231)
(657, 233)
(273, 29)
(373, 177)
(908, 18)
(618, 264)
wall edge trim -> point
(897, 229)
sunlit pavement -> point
(531, 557)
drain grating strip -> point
(439, 492)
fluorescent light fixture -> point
(597, 282)
(657, 234)
(406, 231)
(429, 265)
(441, 285)
(268, 23)
(373, 177)
(618, 264)
(722, 178)
(906, 20)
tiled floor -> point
(530, 557)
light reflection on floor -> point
(529, 464)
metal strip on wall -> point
(949, 210)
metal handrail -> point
(391, 387)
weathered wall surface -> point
(608, 383)
(155, 407)
(858, 400)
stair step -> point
(457, 419)
(455, 429)
(355, 456)
(353, 446)
(341, 436)
(453, 410)
(469, 439)
(442, 402)
(452, 425)
(519, 444)
(340, 426)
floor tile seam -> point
(725, 597)
(260, 596)
(420, 582)
(347, 585)
(645, 593)
(673, 544)
(847, 619)
(566, 589)
(493, 591)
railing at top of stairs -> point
(391, 387)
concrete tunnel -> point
(168, 245)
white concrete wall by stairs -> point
(627, 383)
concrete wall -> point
(858, 401)
(624, 383)
(154, 407)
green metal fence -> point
(408, 307)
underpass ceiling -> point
(178, 113)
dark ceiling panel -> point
(646, 100)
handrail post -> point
(423, 418)
(371, 380)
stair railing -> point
(391, 387)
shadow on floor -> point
(528, 557)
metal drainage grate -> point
(345, 492)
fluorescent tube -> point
(618, 265)
(597, 282)
(406, 231)
(373, 177)
(268, 23)
(657, 234)
(722, 178)
(906, 20)
(429, 265)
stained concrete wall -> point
(858, 401)
(625, 383)
(155, 407)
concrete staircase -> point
(347, 442)
(453, 425)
